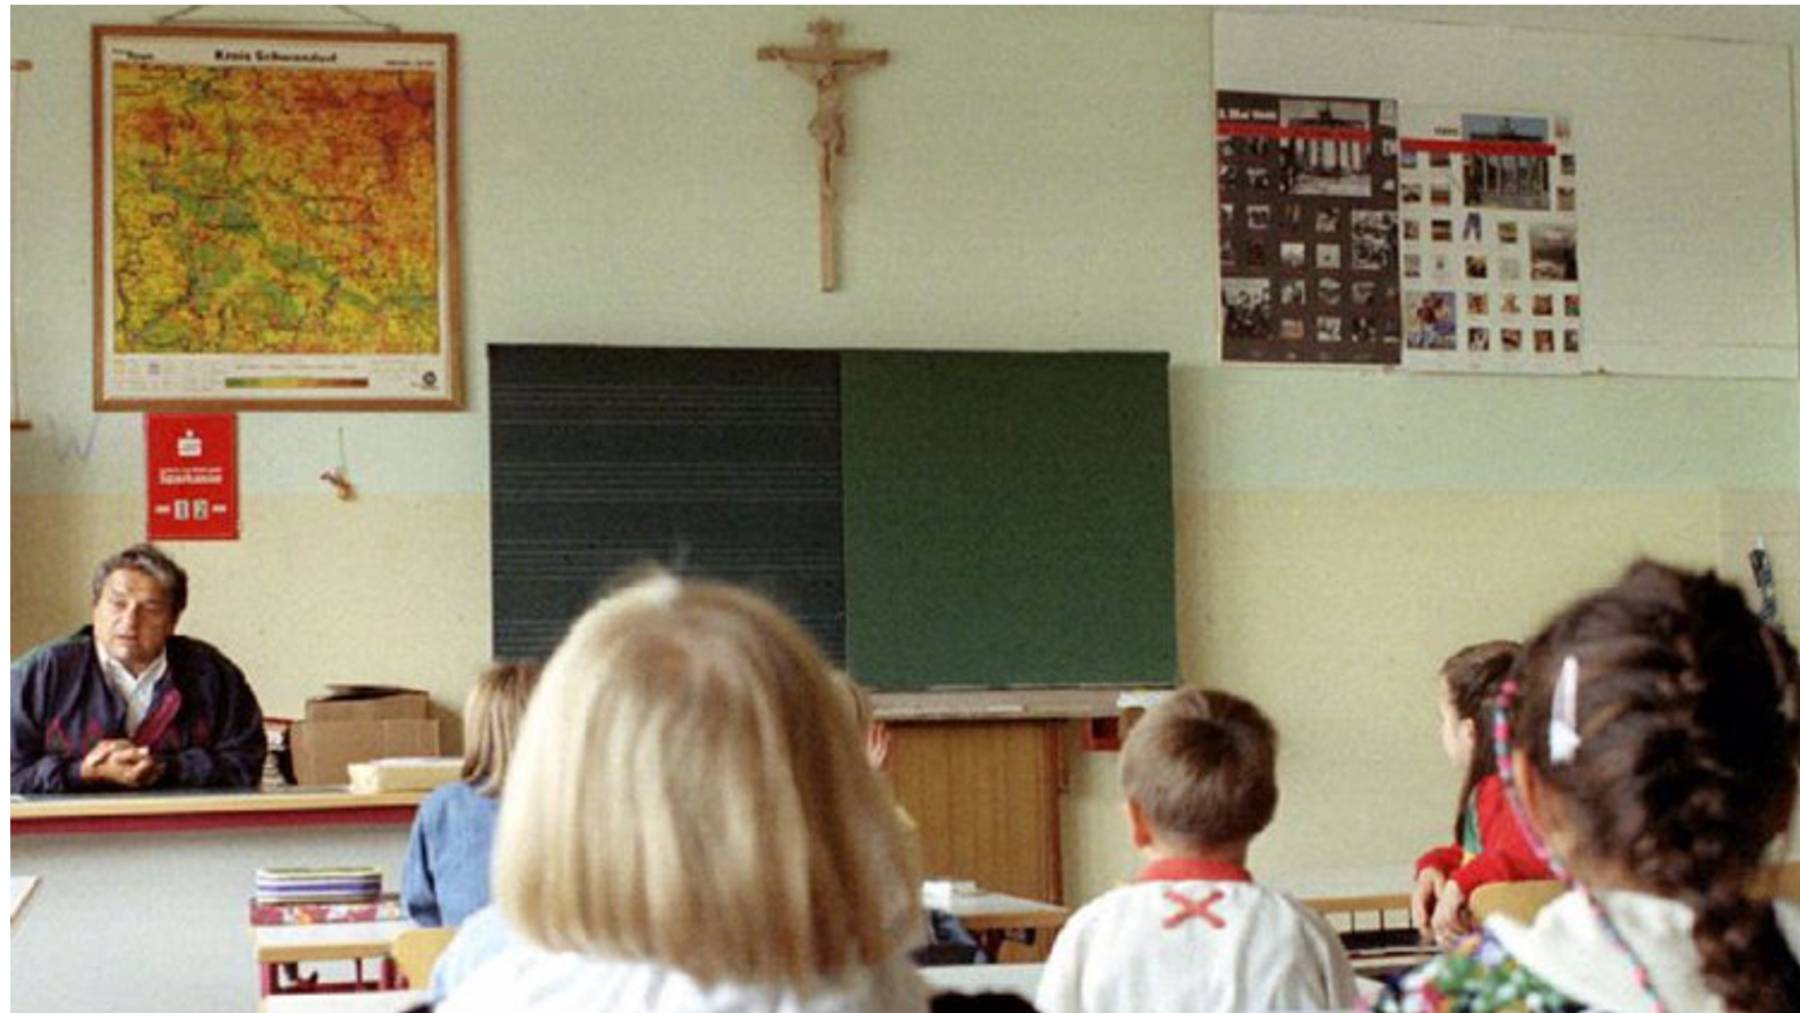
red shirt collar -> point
(1178, 869)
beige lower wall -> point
(1330, 608)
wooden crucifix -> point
(827, 67)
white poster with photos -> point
(1489, 271)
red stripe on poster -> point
(1535, 149)
(1234, 128)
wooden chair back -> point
(1520, 900)
(416, 951)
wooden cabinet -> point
(987, 796)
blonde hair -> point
(690, 790)
(491, 718)
(1201, 765)
(856, 697)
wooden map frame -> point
(367, 379)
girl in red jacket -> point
(1490, 847)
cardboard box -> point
(368, 703)
(359, 723)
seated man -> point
(125, 703)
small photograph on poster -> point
(1293, 256)
(1571, 305)
(1409, 230)
(1477, 304)
(1478, 339)
(1330, 328)
(1507, 231)
(1510, 339)
(1543, 304)
(1543, 340)
(1430, 319)
(1330, 256)
(1507, 162)
(1441, 230)
(1325, 152)
(1553, 252)
(1572, 340)
(1327, 220)
(1362, 331)
(1362, 293)
(1331, 292)
(1475, 266)
(1509, 304)
(1372, 243)
(1249, 314)
(1293, 329)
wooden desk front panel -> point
(987, 796)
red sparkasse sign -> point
(193, 482)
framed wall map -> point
(274, 220)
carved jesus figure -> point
(827, 67)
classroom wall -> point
(1020, 178)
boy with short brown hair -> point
(1194, 931)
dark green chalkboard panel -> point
(1007, 519)
(711, 462)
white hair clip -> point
(1564, 739)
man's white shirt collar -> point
(136, 691)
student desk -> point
(152, 890)
(345, 1002)
(1370, 906)
(993, 918)
(972, 979)
(1349, 890)
(22, 889)
(274, 945)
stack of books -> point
(315, 896)
(386, 908)
(347, 885)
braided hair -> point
(1472, 678)
(1686, 767)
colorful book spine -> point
(387, 908)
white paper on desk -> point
(21, 891)
(939, 892)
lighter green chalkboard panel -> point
(1007, 519)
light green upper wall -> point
(1020, 178)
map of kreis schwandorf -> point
(264, 210)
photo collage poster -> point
(1309, 228)
(1490, 280)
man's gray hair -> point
(149, 560)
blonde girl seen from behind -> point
(445, 879)
(691, 824)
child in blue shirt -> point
(446, 877)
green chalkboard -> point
(1007, 519)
